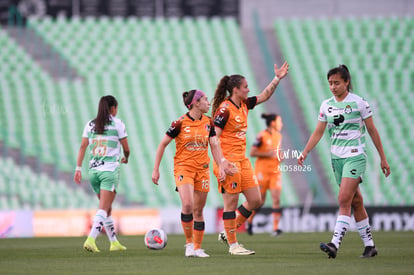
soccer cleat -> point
(223, 238)
(199, 253)
(370, 251)
(329, 248)
(90, 245)
(117, 246)
(276, 233)
(250, 229)
(238, 249)
(189, 250)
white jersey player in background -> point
(104, 135)
(347, 115)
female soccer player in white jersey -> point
(104, 135)
(347, 115)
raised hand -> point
(282, 71)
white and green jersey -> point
(346, 125)
(105, 149)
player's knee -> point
(255, 203)
(357, 202)
(187, 208)
(198, 213)
(344, 201)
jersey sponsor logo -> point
(348, 109)
(338, 119)
(96, 163)
(218, 119)
(353, 171)
(331, 109)
(340, 134)
(241, 134)
(354, 151)
(208, 127)
(234, 185)
(198, 144)
(180, 178)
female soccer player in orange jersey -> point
(192, 133)
(230, 119)
(267, 150)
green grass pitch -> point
(290, 253)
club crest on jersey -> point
(348, 109)
(234, 185)
(238, 119)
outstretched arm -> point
(158, 156)
(373, 132)
(270, 89)
(313, 140)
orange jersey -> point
(232, 119)
(265, 142)
(191, 141)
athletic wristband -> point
(276, 78)
(78, 168)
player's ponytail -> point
(269, 118)
(104, 113)
(227, 83)
(345, 75)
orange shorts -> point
(200, 179)
(244, 179)
(269, 180)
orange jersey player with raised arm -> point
(230, 108)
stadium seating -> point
(146, 64)
(21, 188)
(378, 52)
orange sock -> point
(242, 215)
(198, 234)
(187, 224)
(276, 219)
(229, 220)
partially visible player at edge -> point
(192, 133)
(230, 119)
(347, 115)
(267, 149)
(104, 135)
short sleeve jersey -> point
(105, 149)
(346, 125)
(232, 119)
(191, 141)
(265, 142)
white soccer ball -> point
(155, 239)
